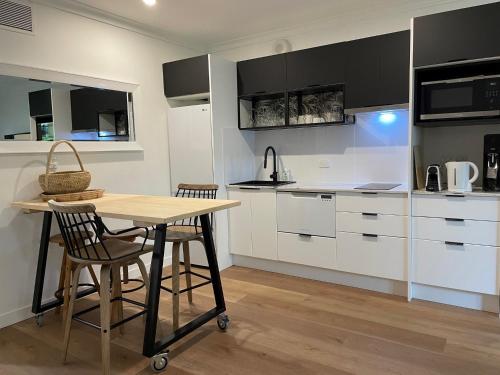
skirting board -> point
(470, 300)
(330, 276)
(23, 313)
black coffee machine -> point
(491, 162)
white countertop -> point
(473, 193)
(324, 188)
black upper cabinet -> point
(464, 34)
(394, 50)
(40, 103)
(318, 66)
(262, 76)
(377, 70)
(186, 77)
(87, 103)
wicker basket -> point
(64, 182)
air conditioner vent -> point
(16, 16)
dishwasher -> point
(306, 213)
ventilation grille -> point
(15, 15)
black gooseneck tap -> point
(274, 175)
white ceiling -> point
(208, 23)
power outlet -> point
(324, 163)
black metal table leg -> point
(151, 347)
(148, 348)
(37, 306)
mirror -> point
(33, 110)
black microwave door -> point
(442, 101)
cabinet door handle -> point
(455, 196)
(369, 192)
(249, 188)
(452, 243)
(369, 214)
(454, 219)
(371, 235)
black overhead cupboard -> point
(318, 86)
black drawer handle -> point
(369, 192)
(259, 92)
(369, 214)
(249, 188)
(451, 243)
(455, 196)
(370, 235)
(454, 219)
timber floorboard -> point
(279, 325)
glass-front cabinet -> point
(313, 106)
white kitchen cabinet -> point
(306, 213)
(380, 203)
(465, 267)
(477, 232)
(379, 256)
(386, 225)
(457, 206)
(252, 226)
(240, 223)
(264, 227)
(306, 249)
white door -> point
(264, 227)
(190, 145)
(240, 223)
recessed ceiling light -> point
(149, 2)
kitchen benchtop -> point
(473, 193)
(324, 188)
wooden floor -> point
(280, 325)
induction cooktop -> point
(377, 186)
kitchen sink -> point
(264, 183)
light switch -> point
(324, 163)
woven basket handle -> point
(49, 158)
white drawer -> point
(374, 256)
(469, 267)
(306, 213)
(379, 203)
(385, 225)
(457, 206)
(307, 250)
(457, 230)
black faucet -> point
(274, 175)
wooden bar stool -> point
(84, 250)
(67, 269)
(182, 232)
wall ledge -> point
(42, 147)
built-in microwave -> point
(475, 97)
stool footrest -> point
(77, 318)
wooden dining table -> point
(154, 210)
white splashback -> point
(367, 151)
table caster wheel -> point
(159, 362)
(39, 320)
(223, 321)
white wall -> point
(368, 151)
(73, 44)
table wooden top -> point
(143, 208)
